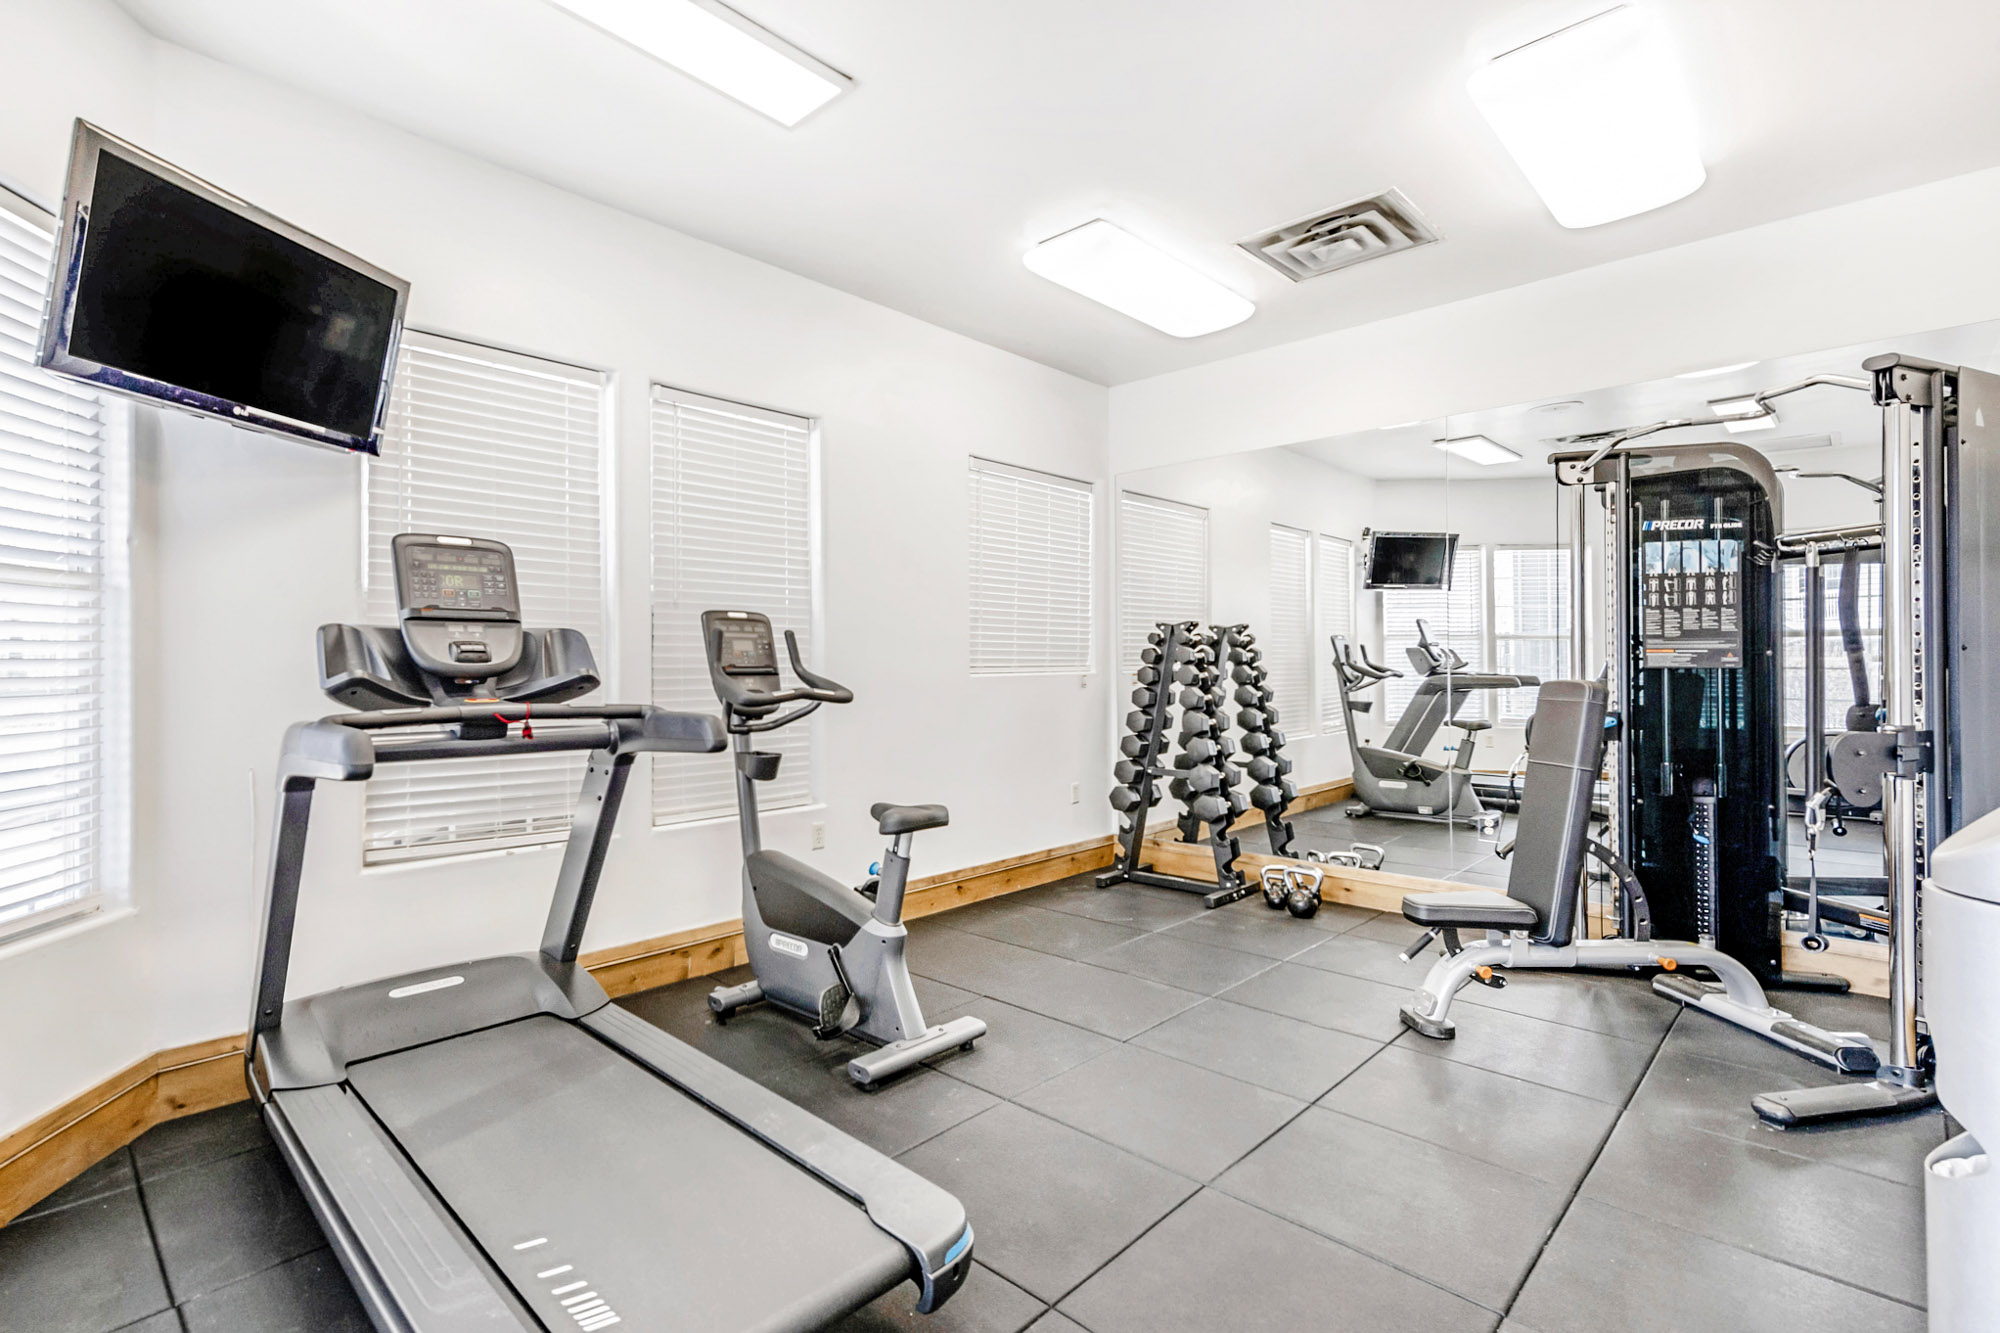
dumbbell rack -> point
(1263, 761)
(1176, 654)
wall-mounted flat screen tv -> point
(1410, 559)
(173, 291)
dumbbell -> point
(1209, 809)
(1132, 747)
(1196, 724)
(1124, 800)
(1126, 772)
(1200, 749)
(1203, 778)
(1142, 697)
(1264, 796)
(1178, 789)
(1256, 742)
(1139, 721)
(1250, 719)
(1150, 655)
(1147, 675)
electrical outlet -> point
(819, 836)
(1076, 793)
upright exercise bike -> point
(831, 954)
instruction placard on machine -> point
(1691, 610)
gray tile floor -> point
(1188, 1120)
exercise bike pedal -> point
(838, 1010)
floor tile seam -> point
(998, 1100)
(1119, 1253)
(143, 1177)
(153, 1243)
(1462, 1152)
(1574, 1027)
(1796, 1156)
(1792, 1264)
(1421, 1045)
(1369, 1255)
(1583, 1177)
(1448, 1148)
(324, 1247)
(1304, 1106)
(38, 1211)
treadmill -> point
(494, 1145)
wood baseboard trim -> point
(51, 1150)
(48, 1152)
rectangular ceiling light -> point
(1597, 117)
(1478, 449)
(1713, 371)
(1743, 405)
(1113, 267)
(717, 45)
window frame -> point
(1517, 706)
(1130, 633)
(1332, 716)
(604, 642)
(978, 466)
(801, 740)
(109, 881)
(1299, 714)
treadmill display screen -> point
(1410, 560)
(456, 578)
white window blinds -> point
(54, 625)
(1335, 589)
(1530, 620)
(1287, 641)
(1030, 571)
(732, 531)
(485, 443)
(1455, 618)
(1162, 569)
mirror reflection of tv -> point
(170, 290)
(1410, 560)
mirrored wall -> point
(1439, 673)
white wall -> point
(249, 542)
(1825, 279)
(1244, 496)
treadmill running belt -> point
(608, 1197)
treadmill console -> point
(459, 604)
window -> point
(1531, 620)
(60, 564)
(1335, 586)
(1030, 571)
(1455, 618)
(732, 530)
(1839, 683)
(1288, 643)
(1162, 569)
(488, 444)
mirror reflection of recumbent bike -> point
(831, 954)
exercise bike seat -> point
(895, 819)
(1470, 909)
(795, 899)
(1470, 724)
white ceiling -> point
(977, 127)
(1821, 428)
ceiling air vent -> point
(1365, 229)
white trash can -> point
(1961, 962)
